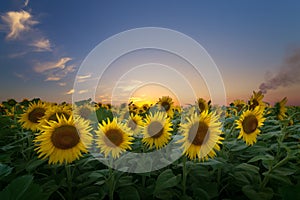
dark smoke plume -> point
(288, 74)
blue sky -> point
(246, 39)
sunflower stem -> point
(184, 175)
(111, 180)
(111, 184)
(69, 180)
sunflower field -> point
(247, 150)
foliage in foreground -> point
(269, 169)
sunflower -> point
(135, 123)
(201, 136)
(256, 100)
(249, 123)
(52, 113)
(202, 105)
(239, 104)
(166, 104)
(30, 119)
(84, 111)
(64, 140)
(113, 138)
(156, 130)
(280, 109)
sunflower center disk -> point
(155, 129)
(201, 106)
(254, 104)
(250, 124)
(35, 115)
(166, 106)
(114, 138)
(198, 134)
(65, 137)
(132, 124)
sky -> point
(254, 44)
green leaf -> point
(125, 181)
(4, 170)
(200, 194)
(129, 192)
(251, 193)
(33, 164)
(22, 188)
(166, 180)
(248, 167)
(283, 179)
(266, 157)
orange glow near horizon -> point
(150, 94)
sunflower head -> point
(135, 123)
(54, 112)
(201, 135)
(11, 102)
(239, 104)
(113, 138)
(166, 104)
(249, 123)
(202, 105)
(280, 109)
(84, 111)
(156, 130)
(64, 140)
(30, 119)
(256, 100)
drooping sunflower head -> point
(256, 100)
(201, 136)
(84, 111)
(114, 138)
(156, 131)
(135, 123)
(280, 109)
(64, 140)
(249, 123)
(166, 104)
(53, 112)
(11, 102)
(202, 105)
(239, 104)
(30, 119)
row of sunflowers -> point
(246, 149)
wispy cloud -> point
(21, 76)
(17, 22)
(61, 64)
(55, 70)
(26, 3)
(57, 75)
(82, 91)
(41, 45)
(62, 84)
(70, 91)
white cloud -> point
(83, 76)
(62, 84)
(41, 45)
(82, 91)
(17, 22)
(61, 64)
(53, 78)
(70, 91)
(57, 75)
(26, 3)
